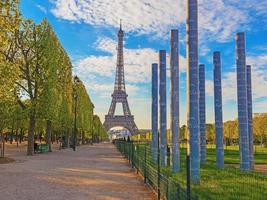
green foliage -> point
(98, 128)
(260, 128)
(229, 183)
(36, 82)
(210, 132)
(9, 22)
(230, 130)
(85, 108)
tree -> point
(30, 42)
(230, 129)
(260, 128)
(183, 132)
(9, 22)
(99, 131)
(47, 107)
(85, 109)
(36, 83)
(210, 133)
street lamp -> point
(98, 133)
(93, 132)
(75, 97)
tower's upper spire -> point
(119, 82)
(120, 32)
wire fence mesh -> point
(233, 183)
(139, 156)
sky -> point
(88, 29)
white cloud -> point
(137, 65)
(106, 45)
(259, 61)
(262, 105)
(137, 62)
(259, 75)
(259, 81)
(95, 65)
(104, 89)
(43, 9)
(257, 8)
(228, 87)
(98, 74)
(218, 19)
(140, 16)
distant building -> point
(115, 134)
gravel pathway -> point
(92, 172)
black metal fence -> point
(235, 185)
(139, 156)
(247, 186)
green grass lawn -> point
(232, 156)
(229, 183)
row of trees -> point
(230, 129)
(36, 85)
(231, 134)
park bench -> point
(42, 148)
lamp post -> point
(93, 133)
(75, 96)
(98, 133)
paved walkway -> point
(92, 172)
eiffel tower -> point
(120, 96)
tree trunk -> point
(12, 133)
(2, 145)
(17, 137)
(52, 137)
(30, 148)
(21, 135)
(83, 137)
(48, 134)
(57, 137)
(68, 137)
(40, 136)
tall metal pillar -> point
(218, 109)
(154, 113)
(250, 118)
(192, 88)
(163, 110)
(174, 64)
(242, 101)
(202, 113)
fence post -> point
(167, 189)
(168, 155)
(178, 191)
(137, 159)
(128, 152)
(124, 149)
(132, 154)
(188, 184)
(145, 166)
(158, 168)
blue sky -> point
(87, 30)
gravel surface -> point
(92, 172)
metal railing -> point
(236, 184)
(139, 156)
